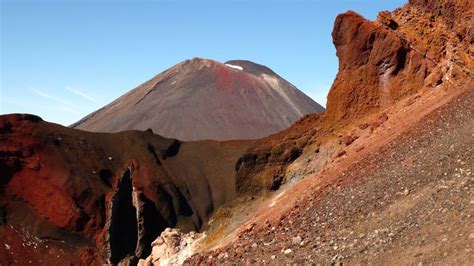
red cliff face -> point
(264, 163)
(423, 46)
(376, 68)
(420, 46)
(108, 196)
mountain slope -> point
(406, 202)
(204, 99)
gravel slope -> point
(410, 203)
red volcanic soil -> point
(204, 99)
(103, 197)
(387, 168)
(405, 198)
(232, 81)
(381, 62)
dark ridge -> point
(27, 117)
(157, 85)
(123, 230)
(151, 149)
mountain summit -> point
(204, 99)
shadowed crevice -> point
(123, 221)
(150, 225)
(151, 149)
(172, 150)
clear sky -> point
(64, 59)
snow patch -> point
(235, 67)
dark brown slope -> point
(81, 196)
(204, 99)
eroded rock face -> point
(172, 247)
(123, 221)
(423, 46)
(376, 67)
(107, 196)
(420, 46)
(264, 164)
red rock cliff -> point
(423, 46)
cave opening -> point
(123, 230)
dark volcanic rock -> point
(108, 196)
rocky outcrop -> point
(107, 196)
(423, 46)
(263, 166)
(420, 46)
(376, 68)
(204, 99)
(172, 247)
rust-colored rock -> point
(420, 46)
(264, 163)
(423, 46)
(107, 195)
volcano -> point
(204, 99)
(383, 177)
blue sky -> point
(64, 59)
